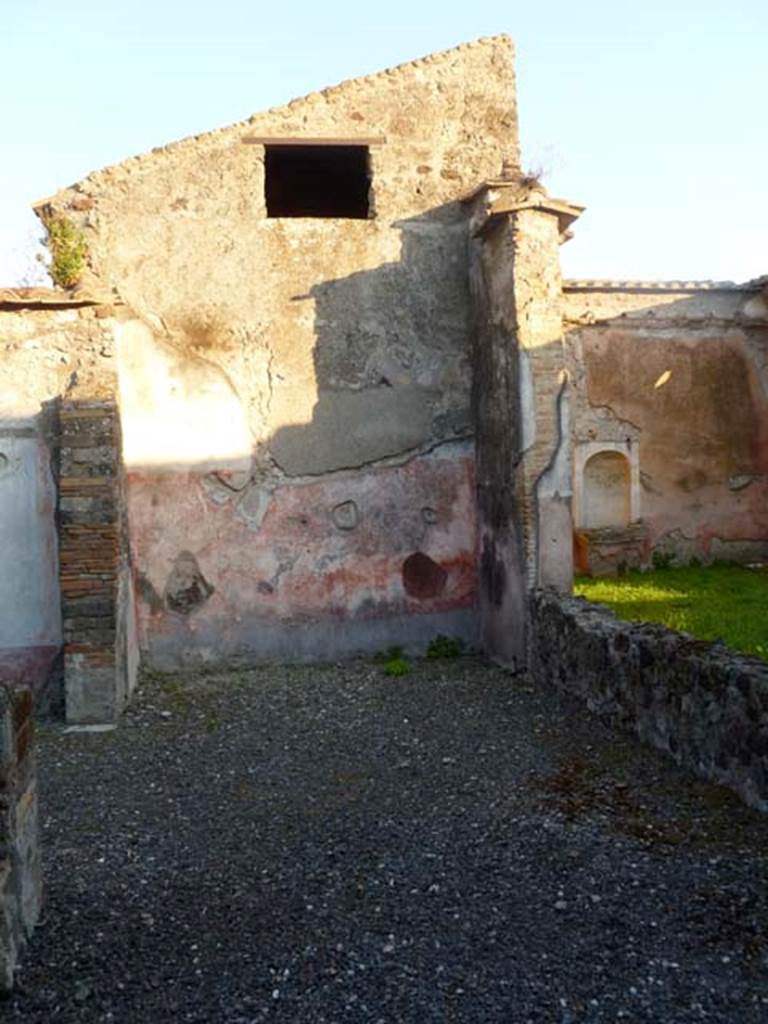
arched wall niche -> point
(606, 484)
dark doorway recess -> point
(317, 181)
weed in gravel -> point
(396, 667)
(445, 647)
(394, 661)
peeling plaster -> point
(253, 505)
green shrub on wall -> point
(68, 250)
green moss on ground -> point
(717, 602)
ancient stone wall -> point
(673, 378)
(295, 390)
(38, 361)
(20, 875)
(702, 704)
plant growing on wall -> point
(68, 250)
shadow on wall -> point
(391, 357)
(364, 514)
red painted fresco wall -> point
(352, 561)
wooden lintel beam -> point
(277, 140)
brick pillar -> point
(20, 876)
(93, 560)
(520, 407)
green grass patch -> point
(717, 602)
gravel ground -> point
(328, 844)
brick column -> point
(520, 407)
(93, 559)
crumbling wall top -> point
(499, 47)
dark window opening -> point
(317, 181)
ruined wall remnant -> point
(520, 407)
(100, 660)
(20, 875)
(38, 360)
(281, 369)
(60, 507)
(698, 702)
(352, 396)
(676, 375)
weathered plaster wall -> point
(678, 375)
(37, 363)
(270, 356)
(313, 567)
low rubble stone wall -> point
(20, 878)
(699, 702)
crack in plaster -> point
(618, 420)
(400, 459)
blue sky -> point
(651, 113)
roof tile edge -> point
(601, 285)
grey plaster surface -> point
(351, 428)
(240, 643)
(328, 844)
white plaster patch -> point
(177, 411)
